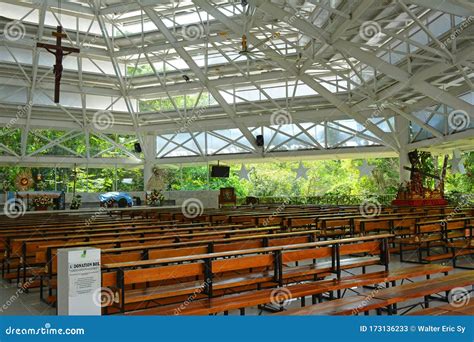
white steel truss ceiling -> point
(196, 81)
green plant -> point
(155, 197)
(76, 202)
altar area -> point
(40, 200)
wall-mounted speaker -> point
(259, 140)
(137, 147)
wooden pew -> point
(387, 298)
(124, 240)
(436, 233)
(138, 252)
(222, 271)
(447, 310)
(315, 289)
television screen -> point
(220, 171)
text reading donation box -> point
(79, 281)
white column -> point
(150, 158)
(402, 127)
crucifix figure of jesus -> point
(59, 52)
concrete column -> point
(402, 127)
(150, 159)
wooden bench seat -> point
(268, 266)
(387, 297)
(447, 310)
(445, 256)
(290, 274)
(261, 297)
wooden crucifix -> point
(59, 52)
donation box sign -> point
(79, 281)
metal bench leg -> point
(41, 288)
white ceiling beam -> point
(33, 84)
(444, 6)
(290, 68)
(199, 74)
(368, 58)
(120, 78)
(403, 76)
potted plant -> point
(155, 198)
(6, 186)
(76, 202)
(41, 203)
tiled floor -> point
(16, 303)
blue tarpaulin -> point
(115, 196)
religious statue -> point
(414, 192)
(59, 52)
(157, 180)
(24, 180)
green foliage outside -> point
(91, 180)
(328, 181)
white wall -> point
(209, 198)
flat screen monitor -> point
(220, 171)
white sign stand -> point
(79, 281)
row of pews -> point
(163, 263)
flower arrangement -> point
(41, 201)
(155, 197)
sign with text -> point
(79, 281)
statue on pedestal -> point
(414, 192)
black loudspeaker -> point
(137, 147)
(259, 140)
